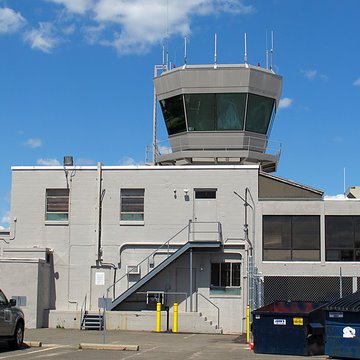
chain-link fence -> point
(305, 288)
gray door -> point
(205, 219)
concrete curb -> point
(33, 343)
(89, 346)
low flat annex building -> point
(206, 225)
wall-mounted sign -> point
(279, 321)
(99, 278)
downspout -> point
(100, 197)
(101, 194)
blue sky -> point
(76, 78)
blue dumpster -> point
(343, 327)
(289, 328)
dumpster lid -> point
(289, 307)
(349, 303)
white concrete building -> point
(205, 226)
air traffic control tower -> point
(219, 114)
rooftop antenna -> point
(185, 59)
(215, 51)
(272, 50)
(245, 52)
(267, 51)
(344, 181)
(163, 56)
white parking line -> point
(27, 353)
(141, 352)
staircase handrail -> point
(217, 308)
(82, 312)
(147, 258)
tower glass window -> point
(230, 111)
(259, 111)
(200, 111)
(174, 115)
(57, 204)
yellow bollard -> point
(248, 324)
(176, 318)
(158, 317)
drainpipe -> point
(100, 197)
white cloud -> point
(48, 162)
(43, 38)
(128, 161)
(310, 74)
(335, 197)
(5, 219)
(356, 82)
(134, 26)
(75, 6)
(33, 143)
(10, 21)
(144, 23)
(84, 162)
(313, 74)
(285, 103)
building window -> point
(291, 238)
(342, 238)
(132, 204)
(225, 278)
(57, 204)
(205, 193)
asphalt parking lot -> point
(64, 344)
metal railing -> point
(201, 233)
(210, 302)
(83, 311)
(224, 143)
(147, 259)
(205, 231)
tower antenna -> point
(245, 52)
(272, 50)
(267, 51)
(185, 59)
(215, 55)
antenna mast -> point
(245, 52)
(185, 59)
(272, 50)
(267, 51)
(215, 39)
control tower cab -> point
(219, 114)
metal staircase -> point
(199, 237)
(92, 321)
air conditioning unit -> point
(133, 269)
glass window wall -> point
(259, 110)
(174, 116)
(291, 238)
(342, 238)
